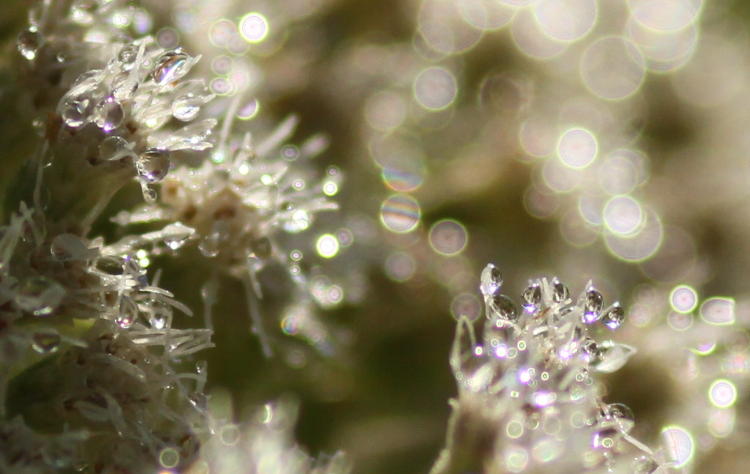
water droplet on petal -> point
(621, 415)
(560, 292)
(300, 220)
(109, 114)
(614, 316)
(612, 356)
(76, 110)
(39, 295)
(171, 66)
(128, 54)
(503, 307)
(29, 42)
(590, 348)
(149, 194)
(45, 342)
(491, 280)
(592, 302)
(176, 234)
(532, 297)
(124, 86)
(153, 165)
(67, 247)
(128, 313)
(114, 148)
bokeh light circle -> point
(577, 148)
(400, 213)
(565, 20)
(435, 88)
(612, 68)
(448, 237)
(722, 393)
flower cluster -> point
(84, 314)
(528, 392)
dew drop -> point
(622, 415)
(114, 148)
(614, 316)
(176, 235)
(39, 295)
(590, 348)
(153, 165)
(128, 313)
(592, 302)
(171, 66)
(29, 42)
(45, 342)
(128, 55)
(76, 110)
(560, 292)
(503, 307)
(299, 221)
(123, 86)
(532, 297)
(109, 114)
(491, 280)
(612, 356)
(149, 194)
(67, 247)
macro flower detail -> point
(528, 389)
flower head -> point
(528, 393)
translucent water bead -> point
(29, 42)
(153, 165)
(109, 114)
(75, 111)
(491, 280)
(592, 302)
(171, 66)
(39, 295)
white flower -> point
(528, 394)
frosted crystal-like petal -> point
(612, 356)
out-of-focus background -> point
(602, 140)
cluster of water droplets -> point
(533, 372)
(110, 373)
(137, 93)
